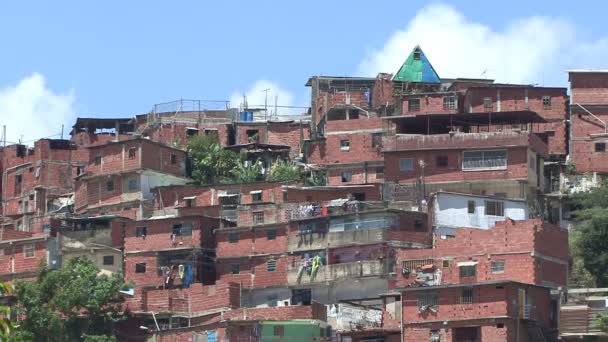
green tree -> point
(7, 327)
(602, 322)
(74, 303)
(211, 162)
(589, 238)
(284, 170)
(244, 173)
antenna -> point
(276, 100)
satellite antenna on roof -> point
(484, 73)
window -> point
(468, 271)
(141, 232)
(235, 269)
(271, 234)
(449, 102)
(252, 136)
(278, 330)
(110, 185)
(445, 263)
(256, 196)
(132, 153)
(442, 161)
(182, 229)
(487, 102)
(18, 179)
(213, 133)
(29, 250)
(406, 164)
(546, 102)
(271, 265)
(233, 237)
(471, 207)
(413, 105)
(140, 267)
(600, 147)
(98, 159)
(416, 55)
(347, 176)
(285, 196)
(476, 160)
(173, 158)
(179, 322)
(418, 226)
(272, 300)
(466, 296)
(376, 139)
(108, 260)
(495, 208)
(133, 184)
(500, 325)
(497, 266)
(258, 217)
(345, 145)
(428, 299)
(380, 172)
(190, 132)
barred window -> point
(258, 217)
(141, 232)
(406, 164)
(471, 207)
(546, 102)
(449, 102)
(428, 299)
(487, 102)
(29, 250)
(466, 296)
(271, 265)
(182, 229)
(413, 265)
(474, 160)
(413, 105)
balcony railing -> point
(365, 268)
(314, 240)
(300, 211)
(406, 142)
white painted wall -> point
(451, 210)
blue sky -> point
(116, 58)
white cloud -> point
(536, 49)
(256, 97)
(30, 110)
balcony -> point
(457, 140)
(313, 241)
(315, 311)
(196, 299)
(366, 268)
(307, 210)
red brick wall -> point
(430, 104)
(13, 261)
(359, 176)
(517, 167)
(289, 134)
(329, 152)
(513, 99)
(200, 298)
(159, 234)
(157, 157)
(253, 272)
(241, 133)
(511, 241)
(589, 88)
(315, 311)
(170, 133)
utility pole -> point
(266, 103)
(61, 131)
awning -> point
(255, 192)
(225, 194)
(192, 128)
(190, 197)
(467, 263)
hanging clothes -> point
(188, 275)
(180, 271)
(316, 262)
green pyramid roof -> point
(417, 68)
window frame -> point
(450, 102)
(488, 103)
(494, 207)
(271, 265)
(256, 196)
(132, 184)
(271, 234)
(139, 269)
(411, 162)
(473, 207)
(413, 104)
(599, 147)
(235, 268)
(497, 270)
(427, 298)
(346, 179)
(105, 260)
(546, 101)
(467, 271)
(344, 145)
(376, 140)
(173, 158)
(141, 231)
(483, 160)
(110, 186)
(29, 248)
(258, 217)
(466, 296)
(442, 161)
(132, 153)
(232, 235)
